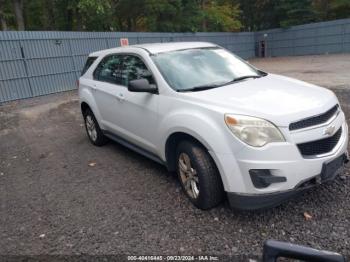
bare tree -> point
(18, 7)
(48, 18)
(204, 19)
(3, 21)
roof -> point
(172, 46)
(155, 48)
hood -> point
(279, 99)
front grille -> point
(315, 120)
(321, 146)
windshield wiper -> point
(211, 86)
(245, 77)
(199, 88)
(237, 79)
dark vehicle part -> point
(276, 249)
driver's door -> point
(138, 113)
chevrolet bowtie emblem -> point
(329, 130)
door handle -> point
(120, 97)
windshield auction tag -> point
(124, 41)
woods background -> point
(166, 15)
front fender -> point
(215, 136)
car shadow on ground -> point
(323, 194)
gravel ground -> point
(324, 70)
(61, 195)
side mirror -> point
(142, 85)
(275, 249)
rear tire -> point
(93, 130)
(198, 175)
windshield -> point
(202, 67)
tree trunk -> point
(2, 16)
(120, 24)
(69, 20)
(3, 22)
(49, 16)
(129, 24)
(79, 25)
(204, 21)
(18, 6)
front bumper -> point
(264, 201)
(283, 160)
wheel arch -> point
(173, 141)
(87, 101)
(84, 106)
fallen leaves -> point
(307, 216)
(92, 164)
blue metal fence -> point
(310, 39)
(39, 63)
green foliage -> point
(170, 15)
(293, 12)
(221, 16)
(6, 15)
(340, 9)
(93, 14)
(259, 15)
(163, 16)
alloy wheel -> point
(188, 176)
(91, 127)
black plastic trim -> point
(314, 120)
(133, 147)
(262, 178)
(262, 201)
(274, 249)
(321, 146)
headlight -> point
(253, 131)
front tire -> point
(93, 130)
(199, 176)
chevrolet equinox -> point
(225, 127)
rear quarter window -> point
(88, 63)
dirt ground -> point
(61, 195)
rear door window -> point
(88, 63)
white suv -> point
(224, 126)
